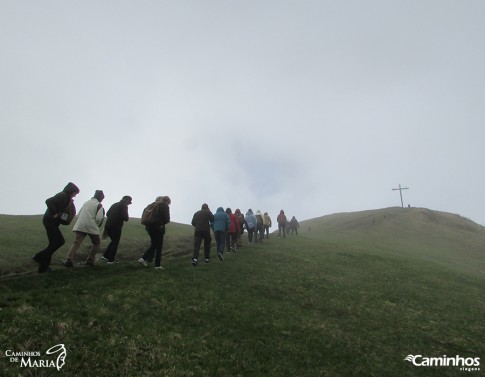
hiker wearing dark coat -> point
(156, 231)
(242, 224)
(202, 221)
(56, 207)
(116, 216)
(294, 225)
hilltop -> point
(445, 238)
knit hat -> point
(99, 194)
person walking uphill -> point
(242, 224)
(91, 216)
(202, 221)
(155, 227)
(267, 223)
(259, 235)
(116, 216)
(220, 226)
(60, 210)
(281, 220)
(294, 225)
(232, 235)
(251, 223)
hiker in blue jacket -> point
(221, 225)
(251, 223)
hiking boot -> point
(207, 260)
(113, 262)
(68, 263)
(159, 268)
(104, 258)
(142, 262)
(219, 255)
(194, 262)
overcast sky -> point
(315, 107)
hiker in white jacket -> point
(91, 216)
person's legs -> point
(72, 255)
(148, 255)
(56, 240)
(115, 235)
(220, 241)
(207, 245)
(197, 242)
(228, 241)
(250, 235)
(95, 242)
(158, 248)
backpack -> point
(149, 216)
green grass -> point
(320, 304)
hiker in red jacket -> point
(234, 229)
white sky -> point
(314, 107)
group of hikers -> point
(227, 227)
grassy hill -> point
(418, 234)
(23, 236)
(352, 295)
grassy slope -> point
(326, 303)
(23, 236)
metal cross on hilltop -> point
(400, 192)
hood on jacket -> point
(71, 188)
(258, 213)
(126, 199)
(220, 209)
(250, 212)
